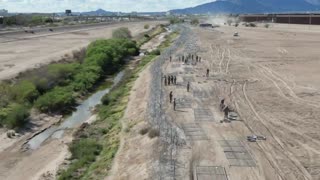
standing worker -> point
(168, 80)
(171, 79)
(174, 104)
(208, 71)
(165, 80)
(188, 86)
(170, 96)
(175, 80)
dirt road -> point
(270, 79)
(19, 52)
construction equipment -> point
(255, 138)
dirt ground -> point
(132, 161)
(270, 78)
(17, 163)
(19, 52)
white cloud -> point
(88, 5)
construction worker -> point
(165, 80)
(170, 58)
(168, 80)
(174, 104)
(221, 104)
(199, 59)
(188, 86)
(175, 80)
(208, 71)
(171, 79)
(170, 96)
(226, 111)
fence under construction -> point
(311, 19)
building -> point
(3, 12)
(311, 19)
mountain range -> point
(252, 6)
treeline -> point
(27, 20)
(94, 147)
(56, 87)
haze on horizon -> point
(49, 6)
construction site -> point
(226, 103)
(250, 113)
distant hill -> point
(252, 6)
(99, 12)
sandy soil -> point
(23, 52)
(270, 77)
(16, 163)
(132, 161)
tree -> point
(194, 21)
(122, 33)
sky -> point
(89, 5)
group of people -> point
(192, 57)
(170, 80)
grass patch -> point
(106, 130)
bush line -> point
(106, 130)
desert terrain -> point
(269, 78)
(22, 51)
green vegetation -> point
(146, 26)
(14, 115)
(56, 99)
(105, 131)
(84, 149)
(122, 33)
(150, 35)
(27, 20)
(24, 91)
(169, 38)
(55, 87)
(194, 22)
(176, 20)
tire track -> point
(291, 92)
(288, 154)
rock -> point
(11, 133)
(84, 125)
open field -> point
(21, 51)
(269, 77)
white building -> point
(3, 12)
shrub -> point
(267, 25)
(252, 24)
(155, 52)
(59, 73)
(146, 26)
(5, 94)
(85, 148)
(84, 151)
(144, 130)
(122, 33)
(154, 133)
(25, 91)
(194, 21)
(57, 98)
(176, 20)
(15, 116)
